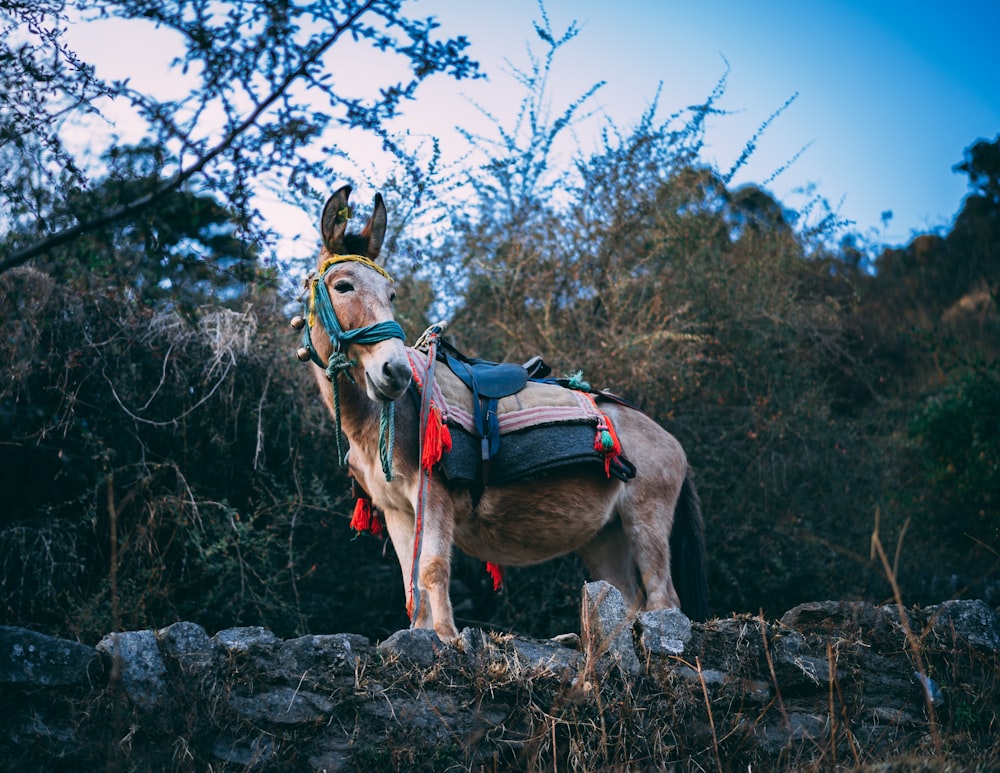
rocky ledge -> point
(831, 685)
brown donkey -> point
(624, 531)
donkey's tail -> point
(688, 561)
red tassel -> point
(607, 442)
(437, 439)
(496, 572)
(365, 519)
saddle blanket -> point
(542, 427)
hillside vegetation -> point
(163, 456)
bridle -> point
(317, 304)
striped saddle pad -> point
(544, 426)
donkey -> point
(622, 531)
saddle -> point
(489, 382)
(510, 422)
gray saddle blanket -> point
(542, 427)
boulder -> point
(31, 658)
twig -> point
(912, 641)
(770, 668)
(176, 419)
(835, 688)
(711, 718)
(113, 569)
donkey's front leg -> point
(399, 523)
(435, 563)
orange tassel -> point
(496, 572)
(437, 439)
(607, 442)
(365, 519)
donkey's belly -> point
(532, 522)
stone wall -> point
(832, 685)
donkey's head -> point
(356, 308)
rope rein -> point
(428, 340)
(319, 306)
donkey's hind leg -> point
(608, 557)
(647, 517)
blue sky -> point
(890, 93)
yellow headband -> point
(353, 259)
(332, 261)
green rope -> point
(387, 437)
(338, 364)
(575, 381)
(386, 423)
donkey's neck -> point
(359, 419)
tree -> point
(271, 89)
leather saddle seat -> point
(488, 382)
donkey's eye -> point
(343, 286)
(392, 296)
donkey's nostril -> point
(395, 372)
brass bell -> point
(303, 354)
(297, 322)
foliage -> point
(266, 93)
(958, 440)
(191, 472)
(162, 455)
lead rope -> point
(386, 420)
(387, 437)
(430, 340)
(338, 364)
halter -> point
(319, 305)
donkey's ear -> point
(374, 230)
(333, 222)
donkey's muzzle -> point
(392, 380)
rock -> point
(796, 668)
(322, 657)
(251, 640)
(472, 643)
(141, 667)
(568, 640)
(249, 754)
(606, 628)
(282, 706)
(878, 627)
(663, 632)
(417, 646)
(711, 677)
(335, 758)
(190, 646)
(510, 657)
(801, 728)
(544, 657)
(31, 658)
(768, 695)
(971, 624)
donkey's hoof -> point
(447, 633)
